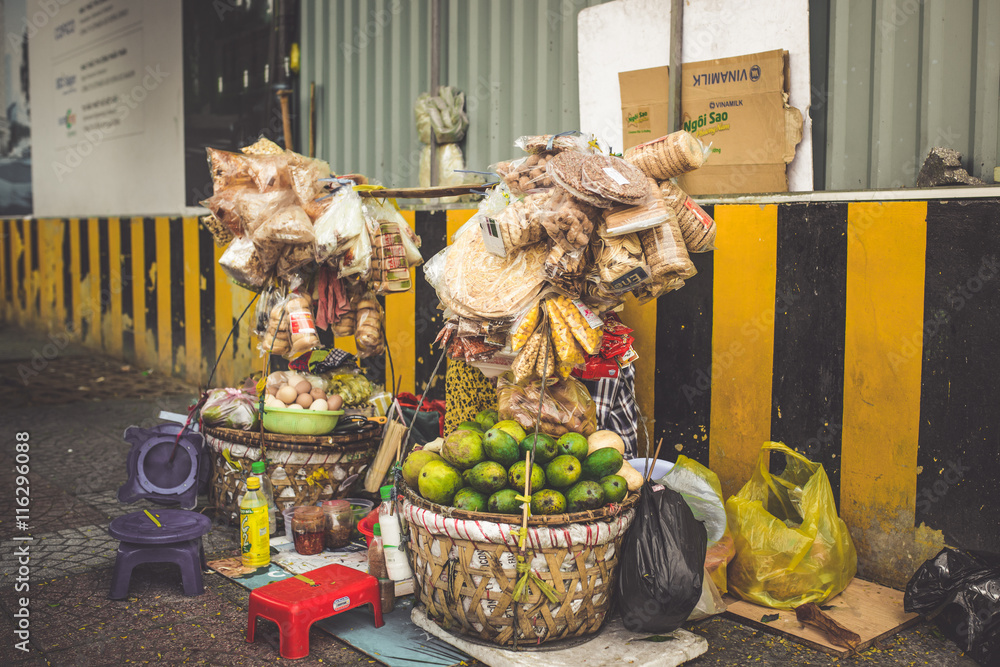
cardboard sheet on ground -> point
(398, 643)
(874, 612)
(614, 645)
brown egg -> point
(305, 400)
(287, 394)
(303, 387)
(319, 404)
(273, 390)
(335, 402)
(318, 394)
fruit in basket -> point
(603, 462)
(487, 419)
(463, 449)
(615, 488)
(414, 463)
(511, 428)
(501, 447)
(504, 502)
(585, 495)
(563, 471)
(470, 500)
(516, 476)
(487, 477)
(601, 439)
(548, 501)
(470, 426)
(573, 444)
(439, 482)
(545, 447)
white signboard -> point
(107, 89)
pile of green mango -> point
(481, 468)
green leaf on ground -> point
(767, 618)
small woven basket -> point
(303, 469)
(464, 566)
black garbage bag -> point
(662, 563)
(960, 591)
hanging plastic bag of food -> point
(791, 547)
(230, 408)
(660, 575)
(368, 334)
(566, 407)
(245, 265)
(340, 224)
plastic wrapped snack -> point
(520, 223)
(301, 328)
(229, 170)
(271, 296)
(618, 261)
(538, 143)
(255, 208)
(588, 336)
(524, 326)
(568, 221)
(527, 174)
(566, 406)
(263, 146)
(612, 178)
(229, 408)
(697, 227)
(567, 350)
(627, 219)
(290, 260)
(526, 361)
(276, 339)
(566, 170)
(667, 257)
(368, 334)
(225, 206)
(306, 174)
(243, 263)
(669, 156)
(287, 226)
(394, 246)
(270, 172)
(221, 234)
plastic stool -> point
(295, 605)
(177, 540)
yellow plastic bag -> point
(791, 547)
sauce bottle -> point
(255, 545)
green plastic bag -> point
(791, 547)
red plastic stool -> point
(295, 605)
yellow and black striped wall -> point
(860, 333)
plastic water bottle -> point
(255, 545)
(396, 564)
(259, 469)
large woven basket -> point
(302, 468)
(464, 570)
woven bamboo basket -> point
(303, 469)
(464, 566)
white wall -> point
(635, 34)
(107, 94)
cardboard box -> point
(740, 106)
(645, 115)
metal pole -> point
(435, 77)
(674, 99)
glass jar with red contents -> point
(308, 527)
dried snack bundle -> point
(243, 263)
(697, 227)
(669, 156)
(667, 257)
(290, 330)
(612, 178)
(368, 333)
(538, 143)
(566, 407)
(651, 212)
(566, 169)
(527, 174)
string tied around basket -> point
(526, 574)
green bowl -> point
(300, 422)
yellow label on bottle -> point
(255, 544)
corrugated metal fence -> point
(516, 61)
(906, 76)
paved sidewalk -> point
(77, 464)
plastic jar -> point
(339, 523)
(308, 527)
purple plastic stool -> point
(142, 541)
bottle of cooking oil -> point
(255, 544)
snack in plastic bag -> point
(669, 156)
(961, 590)
(270, 172)
(652, 212)
(612, 178)
(225, 206)
(532, 144)
(567, 405)
(662, 564)
(301, 329)
(230, 408)
(221, 234)
(244, 264)
(526, 174)
(521, 223)
(291, 259)
(524, 326)
(618, 262)
(567, 350)
(255, 208)
(229, 170)
(568, 222)
(791, 547)
(306, 174)
(697, 227)
(589, 337)
(286, 226)
(368, 334)
(526, 361)
(341, 222)
(263, 146)
(566, 170)
(271, 296)
(667, 257)
(394, 247)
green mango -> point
(603, 462)
(585, 495)
(563, 471)
(501, 447)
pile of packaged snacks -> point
(305, 248)
(561, 241)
